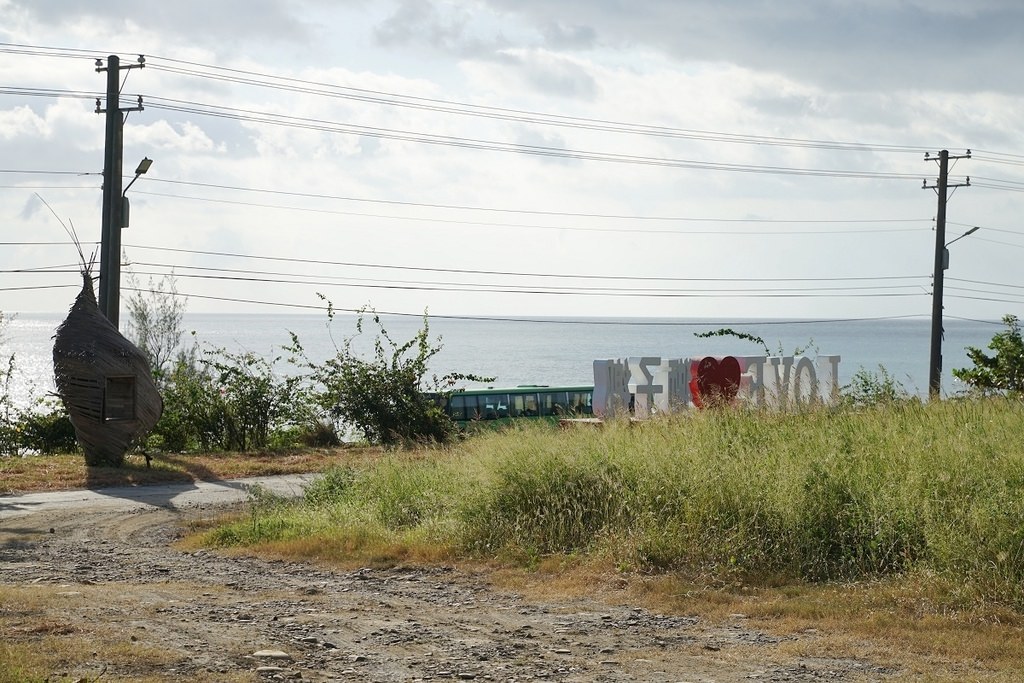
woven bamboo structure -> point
(104, 381)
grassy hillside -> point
(833, 495)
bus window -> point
(457, 406)
(581, 402)
(553, 403)
(494, 406)
(517, 405)
(476, 407)
(524, 406)
(501, 408)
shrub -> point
(46, 431)
(1003, 372)
(387, 398)
(228, 401)
(548, 502)
(867, 388)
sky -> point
(757, 159)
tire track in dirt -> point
(213, 612)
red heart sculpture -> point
(715, 382)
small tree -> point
(1003, 372)
(389, 397)
(8, 431)
(155, 315)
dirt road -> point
(106, 558)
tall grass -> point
(818, 496)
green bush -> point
(867, 388)
(1003, 372)
(228, 401)
(546, 502)
(46, 430)
(331, 487)
(387, 398)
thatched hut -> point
(104, 381)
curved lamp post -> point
(935, 369)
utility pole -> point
(941, 189)
(110, 236)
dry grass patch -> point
(63, 472)
(79, 633)
(45, 637)
(354, 551)
(897, 623)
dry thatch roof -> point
(104, 381)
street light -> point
(110, 267)
(935, 371)
(142, 169)
(125, 205)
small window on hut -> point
(119, 398)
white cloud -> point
(21, 121)
(705, 73)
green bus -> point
(472, 406)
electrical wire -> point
(507, 147)
(467, 287)
(49, 92)
(546, 321)
(630, 230)
(999, 242)
(23, 171)
(176, 268)
(45, 51)
(982, 282)
(986, 228)
(284, 259)
(295, 85)
(988, 299)
(394, 202)
(36, 287)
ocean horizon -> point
(543, 350)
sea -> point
(551, 351)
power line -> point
(990, 186)
(44, 51)
(974, 320)
(285, 259)
(988, 299)
(984, 291)
(986, 228)
(47, 187)
(49, 92)
(289, 84)
(568, 321)
(44, 244)
(395, 202)
(176, 267)
(25, 171)
(154, 102)
(37, 287)
(999, 242)
(1001, 181)
(630, 230)
(981, 282)
(471, 287)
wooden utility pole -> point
(941, 189)
(110, 235)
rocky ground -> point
(220, 616)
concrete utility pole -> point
(110, 236)
(941, 189)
